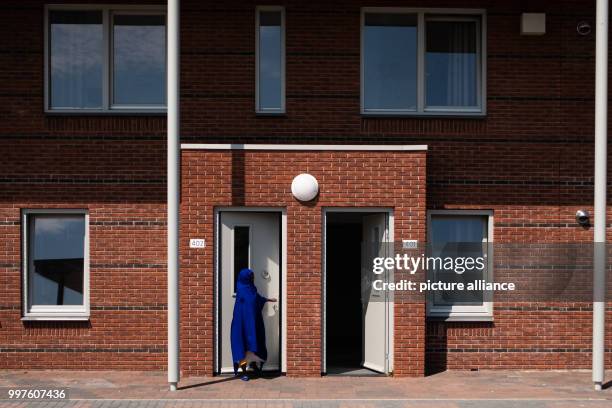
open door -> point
(374, 303)
(250, 240)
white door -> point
(374, 303)
(250, 240)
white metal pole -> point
(601, 158)
(173, 190)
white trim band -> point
(305, 147)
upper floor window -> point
(422, 62)
(270, 60)
(105, 59)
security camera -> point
(583, 217)
(583, 28)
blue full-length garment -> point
(248, 332)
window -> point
(139, 60)
(76, 52)
(389, 64)
(270, 60)
(242, 244)
(451, 63)
(423, 62)
(103, 59)
(458, 235)
(56, 264)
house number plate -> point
(197, 243)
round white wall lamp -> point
(304, 187)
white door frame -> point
(390, 310)
(217, 267)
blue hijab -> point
(248, 331)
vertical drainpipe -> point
(601, 158)
(173, 170)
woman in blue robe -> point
(248, 333)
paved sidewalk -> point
(452, 389)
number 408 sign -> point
(197, 243)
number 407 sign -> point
(197, 243)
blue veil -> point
(248, 331)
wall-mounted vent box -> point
(533, 24)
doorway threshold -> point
(352, 372)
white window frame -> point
(53, 312)
(464, 312)
(108, 107)
(423, 15)
(258, 109)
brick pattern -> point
(532, 154)
(127, 328)
(550, 338)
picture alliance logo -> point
(477, 285)
(411, 264)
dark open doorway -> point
(344, 310)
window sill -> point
(122, 112)
(65, 318)
(425, 115)
(464, 318)
(271, 114)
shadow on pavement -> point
(203, 384)
(264, 376)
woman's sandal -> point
(243, 366)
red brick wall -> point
(346, 179)
(531, 154)
(526, 336)
(127, 328)
(113, 166)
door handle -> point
(275, 308)
(265, 274)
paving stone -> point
(484, 389)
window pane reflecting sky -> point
(57, 253)
(270, 60)
(139, 57)
(390, 61)
(458, 229)
(454, 237)
(76, 48)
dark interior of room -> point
(344, 311)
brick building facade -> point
(531, 153)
